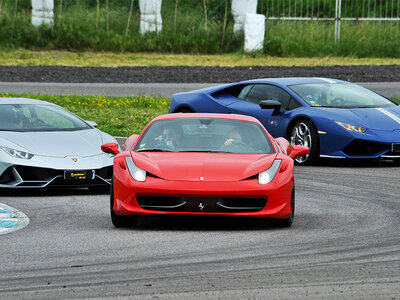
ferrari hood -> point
(203, 166)
(81, 143)
(387, 118)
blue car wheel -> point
(304, 134)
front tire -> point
(305, 134)
(117, 220)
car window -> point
(243, 93)
(205, 135)
(53, 118)
(258, 93)
(268, 92)
(339, 95)
(293, 103)
(29, 117)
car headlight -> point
(268, 175)
(137, 173)
(17, 153)
(350, 127)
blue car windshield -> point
(341, 95)
(205, 135)
(38, 117)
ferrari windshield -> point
(29, 117)
(205, 135)
(342, 95)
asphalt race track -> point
(165, 81)
(344, 243)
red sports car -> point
(203, 164)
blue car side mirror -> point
(271, 104)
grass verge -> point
(24, 57)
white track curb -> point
(11, 219)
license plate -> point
(79, 175)
(396, 147)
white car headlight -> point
(137, 173)
(17, 153)
(268, 175)
(350, 127)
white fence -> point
(335, 12)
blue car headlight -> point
(17, 153)
(268, 175)
(350, 127)
(137, 173)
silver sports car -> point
(43, 144)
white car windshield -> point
(29, 117)
(205, 135)
(341, 95)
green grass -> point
(313, 39)
(118, 116)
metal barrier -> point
(377, 11)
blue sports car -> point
(333, 118)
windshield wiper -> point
(206, 151)
(153, 150)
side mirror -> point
(284, 144)
(92, 123)
(290, 150)
(271, 104)
(129, 142)
(111, 148)
(299, 151)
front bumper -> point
(371, 144)
(41, 172)
(35, 177)
(157, 196)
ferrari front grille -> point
(201, 204)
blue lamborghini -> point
(333, 118)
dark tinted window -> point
(258, 93)
(268, 92)
(245, 91)
(293, 104)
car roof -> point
(23, 101)
(206, 115)
(283, 81)
(296, 80)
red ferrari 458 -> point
(203, 164)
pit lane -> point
(344, 243)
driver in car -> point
(233, 137)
